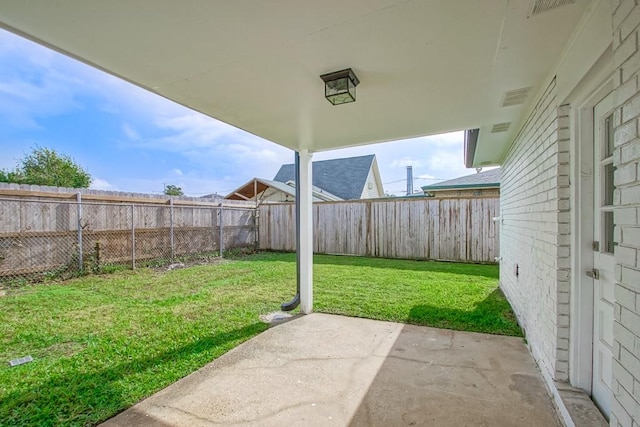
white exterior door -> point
(603, 260)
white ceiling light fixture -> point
(340, 86)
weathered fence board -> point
(443, 229)
(51, 234)
(42, 234)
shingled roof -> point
(490, 178)
(345, 178)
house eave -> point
(428, 188)
(273, 57)
(470, 144)
(589, 40)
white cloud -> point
(101, 184)
(426, 176)
(192, 184)
(130, 132)
(434, 158)
(443, 160)
(212, 145)
(406, 161)
(23, 102)
(36, 82)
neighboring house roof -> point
(255, 186)
(345, 177)
(211, 196)
(486, 179)
(420, 194)
(317, 192)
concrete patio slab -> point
(324, 370)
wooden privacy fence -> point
(439, 229)
(49, 232)
(58, 234)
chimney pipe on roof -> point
(409, 180)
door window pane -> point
(608, 184)
(608, 232)
(608, 136)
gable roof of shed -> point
(345, 177)
(490, 178)
(248, 190)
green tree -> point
(172, 190)
(44, 166)
(9, 176)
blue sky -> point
(131, 140)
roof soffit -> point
(256, 65)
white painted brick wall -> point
(535, 232)
(626, 368)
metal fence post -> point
(133, 237)
(256, 228)
(171, 227)
(221, 231)
(214, 223)
(79, 218)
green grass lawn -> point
(102, 343)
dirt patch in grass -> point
(63, 349)
(190, 263)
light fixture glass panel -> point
(338, 86)
(341, 99)
(340, 91)
(352, 91)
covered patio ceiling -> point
(425, 66)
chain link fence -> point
(42, 239)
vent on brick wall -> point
(541, 6)
(515, 97)
(500, 127)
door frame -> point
(581, 198)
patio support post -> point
(306, 232)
